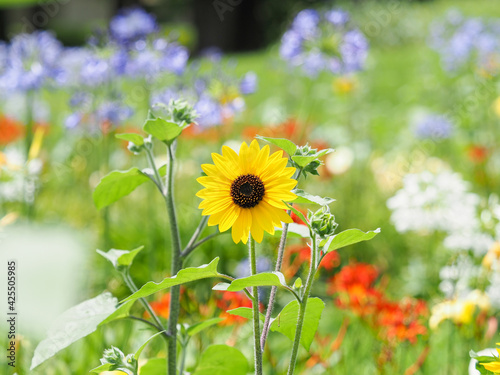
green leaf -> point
(162, 129)
(131, 137)
(286, 321)
(154, 366)
(198, 327)
(222, 360)
(299, 214)
(139, 351)
(184, 276)
(117, 185)
(303, 161)
(245, 312)
(346, 238)
(77, 322)
(260, 279)
(303, 197)
(286, 145)
(294, 230)
(120, 258)
(324, 152)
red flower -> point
(10, 130)
(160, 307)
(230, 301)
(477, 153)
(296, 219)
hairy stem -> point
(133, 288)
(175, 266)
(255, 309)
(303, 306)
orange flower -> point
(160, 307)
(477, 154)
(10, 130)
(230, 301)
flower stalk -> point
(303, 305)
(255, 309)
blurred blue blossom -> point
(462, 42)
(324, 42)
(243, 267)
(132, 24)
(31, 61)
(248, 84)
(433, 126)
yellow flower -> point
(246, 191)
(494, 367)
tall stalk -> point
(255, 309)
(303, 306)
(176, 262)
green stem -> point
(133, 288)
(158, 180)
(29, 204)
(303, 306)
(183, 356)
(190, 249)
(255, 308)
(176, 265)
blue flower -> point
(113, 112)
(209, 112)
(32, 61)
(433, 126)
(132, 24)
(324, 42)
(248, 84)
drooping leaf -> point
(78, 322)
(162, 129)
(141, 348)
(222, 360)
(260, 279)
(286, 321)
(154, 366)
(286, 145)
(120, 258)
(184, 276)
(131, 137)
(294, 230)
(198, 327)
(116, 185)
(245, 312)
(304, 197)
(346, 238)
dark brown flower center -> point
(247, 191)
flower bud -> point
(323, 222)
(118, 361)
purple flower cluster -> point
(325, 41)
(217, 95)
(30, 61)
(131, 25)
(433, 126)
(462, 41)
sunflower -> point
(246, 191)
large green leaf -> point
(162, 129)
(302, 161)
(198, 327)
(346, 238)
(120, 258)
(77, 322)
(260, 279)
(286, 321)
(184, 276)
(116, 185)
(222, 360)
(154, 366)
(304, 197)
(286, 145)
(245, 312)
(131, 137)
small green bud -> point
(182, 113)
(118, 361)
(323, 222)
(132, 147)
(298, 283)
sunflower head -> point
(246, 191)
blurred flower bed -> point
(409, 98)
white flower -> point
(340, 161)
(433, 202)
